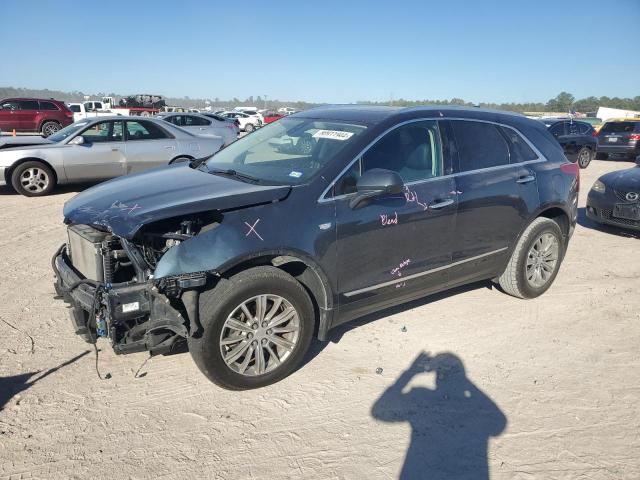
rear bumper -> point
(627, 150)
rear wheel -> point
(49, 128)
(257, 326)
(584, 157)
(535, 260)
(33, 179)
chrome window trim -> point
(323, 196)
(420, 274)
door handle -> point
(526, 179)
(115, 149)
(169, 147)
(441, 203)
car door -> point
(28, 115)
(148, 145)
(101, 156)
(497, 194)
(8, 117)
(396, 247)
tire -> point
(514, 280)
(179, 160)
(49, 128)
(33, 179)
(601, 156)
(249, 128)
(584, 157)
(224, 303)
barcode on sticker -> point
(333, 134)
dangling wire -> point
(92, 318)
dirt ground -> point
(550, 387)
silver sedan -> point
(202, 125)
(99, 149)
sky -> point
(325, 51)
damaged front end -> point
(109, 285)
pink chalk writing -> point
(401, 284)
(252, 228)
(387, 220)
(412, 197)
(397, 271)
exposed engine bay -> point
(109, 283)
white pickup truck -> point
(89, 110)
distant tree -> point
(562, 103)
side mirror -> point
(374, 183)
(79, 140)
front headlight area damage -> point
(109, 283)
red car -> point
(270, 117)
(45, 116)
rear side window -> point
(480, 145)
(584, 129)
(519, 150)
(619, 127)
(144, 131)
(557, 129)
(48, 106)
(28, 105)
(192, 121)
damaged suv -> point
(245, 256)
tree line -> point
(563, 102)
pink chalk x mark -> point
(130, 210)
(252, 228)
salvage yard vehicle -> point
(247, 123)
(577, 139)
(88, 110)
(619, 139)
(46, 116)
(202, 125)
(614, 198)
(99, 149)
(248, 254)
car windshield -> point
(290, 151)
(67, 131)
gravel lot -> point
(550, 387)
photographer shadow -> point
(450, 425)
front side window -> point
(10, 105)
(287, 152)
(74, 108)
(174, 119)
(480, 145)
(103, 132)
(144, 131)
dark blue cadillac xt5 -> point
(316, 219)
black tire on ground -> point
(33, 179)
(513, 281)
(49, 128)
(218, 303)
(584, 157)
(249, 128)
(601, 156)
(179, 160)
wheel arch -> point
(9, 171)
(190, 157)
(45, 120)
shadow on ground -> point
(58, 190)
(586, 222)
(450, 425)
(11, 386)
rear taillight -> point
(634, 136)
(572, 169)
(594, 133)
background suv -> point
(577, 139)
(619, 138)
(46, 116)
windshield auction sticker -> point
(333, 134)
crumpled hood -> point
(125, 204)
(23, 141)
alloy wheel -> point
(259, 335)
(542, 260)
(50, 128)
(584, 158)
(34, 180)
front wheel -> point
(33, 179)
(249, 128)
(256, 328)
(535, 260)
(584, 157)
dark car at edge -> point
(247, 255)
(577, 139)
(619, 138)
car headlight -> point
(598, 186)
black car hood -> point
(628, 179)
(125, 204)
